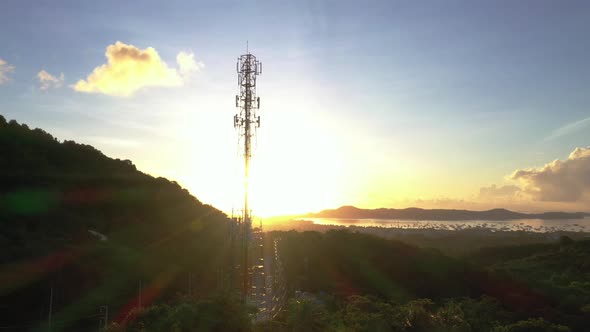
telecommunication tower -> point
(246, 122)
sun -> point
(299, 186)
(302, 162)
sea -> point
(528, 225)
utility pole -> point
(50, 309)
(139, 295)
(190, 279)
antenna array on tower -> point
(246, 121)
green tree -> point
(306, 316)
(532, 325)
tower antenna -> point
(245, 122)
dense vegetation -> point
(516, 288)
(454, 243)
(324, 313)
(342, 281)
(345, 263)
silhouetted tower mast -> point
(246, 122)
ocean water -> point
(529, 225)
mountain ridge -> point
(414, 213)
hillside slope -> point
(95, 230)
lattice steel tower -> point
(246, 122)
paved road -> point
(261, 294)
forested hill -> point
(93, 228)
(440, 214)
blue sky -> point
(408, 100)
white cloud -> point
(5, 69)
(129, 69)
(47, 81)
(559, 181)
(568, 129)
(187, 64)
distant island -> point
(351, 212)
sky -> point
(435, 104)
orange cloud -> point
(559, 181)
(129, 69)
(498, 192)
